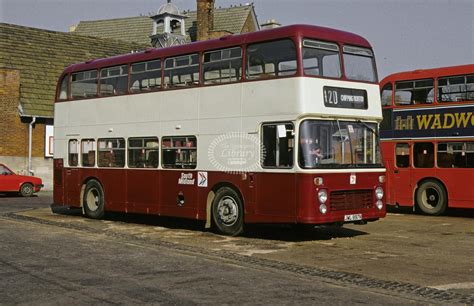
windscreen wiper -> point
(368, 127)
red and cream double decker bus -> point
(428, 138)
(275, 126)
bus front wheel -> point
(227, 212)
(431, 198)
(93, 200)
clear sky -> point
(406, 34)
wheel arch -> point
(211, 195)
(83, 189)
(23, 183)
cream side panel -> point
(271, 97)
(220, 101)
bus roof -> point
(310, 31)
(428, 73)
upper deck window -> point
(456, 89)
(63, 94)
(182, 71)
(359, 64)
(271, 59)
(386, 94)
(222, 66)
(321, 59)
(414, 92)
(113, 80)
(145, 76)
(84, 84)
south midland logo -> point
(236, 153)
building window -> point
(279, 143)
(456, 89)
(145, 76)
(386, 94)
(88, 148)
(182, 71)
(402, 155)
(414, 92)
(143, 152)
(423, 155)
(73, 153)
(179, 152)
(113, 80)
(271, 59)
(63, 92)
(222, 66)
(321, 59)
(111, 152)
(84, 84)
(455, 155)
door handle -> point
(395, 171)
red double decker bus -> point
(428, 138)
(275, 126)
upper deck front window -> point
(321, 59)
(359, 64)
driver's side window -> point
(4, 171)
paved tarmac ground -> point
(405, 258)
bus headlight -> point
(379, 193)
(379, 204)
(322, 196)
(323, 208)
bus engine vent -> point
(351, 199)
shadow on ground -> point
(278, 232)
(450, 212)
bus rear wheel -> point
(431, 198)
(93, 200)
(227, 212)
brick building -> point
(32, 59)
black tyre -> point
(93, 200)
(26, 190)
(431, 198)
(228, 212)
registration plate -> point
(354, 217)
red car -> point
(11, 182)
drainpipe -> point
(30, 141)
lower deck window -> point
(73, 154)
(423, 155)
(143, 152)
(111, 152)
(179, 152)
(402, 155)
(88, 148)
(456, 155)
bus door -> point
(276, 188)
(401, 189)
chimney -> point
(205, 18)
(270, 24)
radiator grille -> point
(351, 199)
